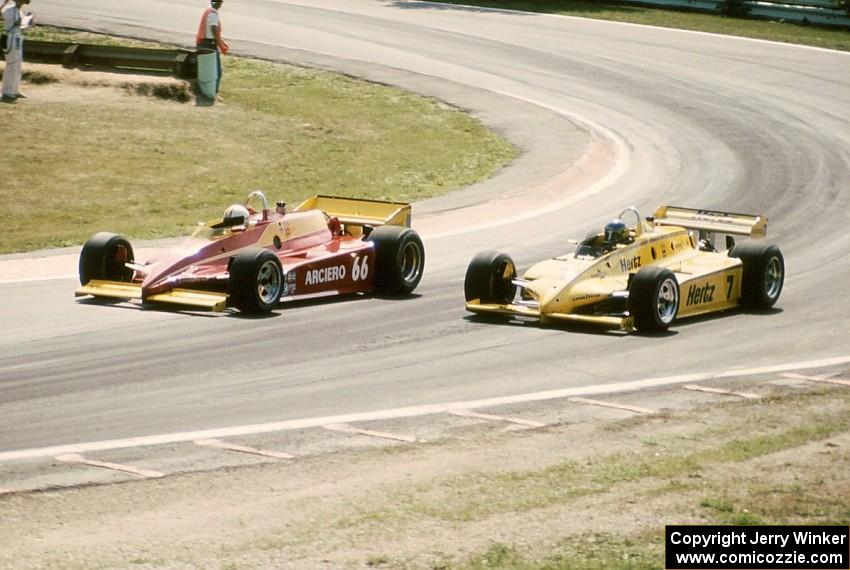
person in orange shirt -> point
(209, 36)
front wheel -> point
(489, 278)
(256, 281)
(763, 274)
(653, 298)
(399, 259)
(104, 256)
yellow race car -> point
(643, 277)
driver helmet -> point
(236, 215)
(616, 231)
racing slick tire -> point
(103, 257)
(256, 281)
(399, 259)
(653, 299)
(763, 275)
(489, 278)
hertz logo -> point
(629, 263)
(699, 294)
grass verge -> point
(714, 23)
(92, 158)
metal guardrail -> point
(819, 12)
(182, 64)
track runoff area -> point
(686, 546)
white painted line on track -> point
(697, 388)
(36, 279)
(144, 473)
(218, 444)
(520, 421)
(604, 404)
(824, 378)
(381, 434)
(414, 411)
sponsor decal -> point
(360, 268)
(699, 294)
(629, 263)
(325, 275)
(289, 285)
(585, 298)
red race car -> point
(254, 258)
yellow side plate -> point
(114, 289)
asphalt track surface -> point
(608, 116)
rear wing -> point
(712, 221)
(355, 213)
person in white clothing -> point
(14, 22)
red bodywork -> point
(316, 257)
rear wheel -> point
(399, 259)
(104, 256)
(763, 275)
(489, 278)
(653, 299)
(256, 281)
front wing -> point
(518, 310)
(210, 300)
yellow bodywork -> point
(210, 300)
(354, 213)
(571, 288)
(113, 289)
(190, 298)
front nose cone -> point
(552, 296)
